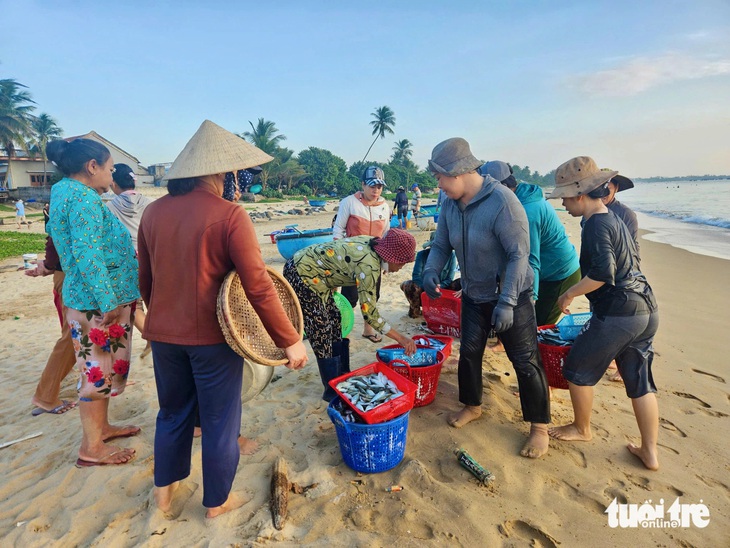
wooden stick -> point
(13, 442)
(279, 493)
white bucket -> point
(30, 260)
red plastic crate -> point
(426, 378)
(448, 341)
(388, 410)
(443, 315)
(553, 358)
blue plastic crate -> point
(570, 325)
(422, 356)
(369, 448)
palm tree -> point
(45, 130)
(402, 152)
(16, 114)
(382, 124)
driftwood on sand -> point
(280, 488)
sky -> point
(642, 86)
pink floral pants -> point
(102, 355)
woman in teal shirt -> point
(100, 290)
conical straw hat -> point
(214, 150)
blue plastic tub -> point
(570, 325)
(422, 356)
(288, 243)
(369, 448)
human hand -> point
(111, 317)
(564, 302)
(503, 317)
(432, 284)
(409, 345)
(39, 270)
(458, 294)
(297, 356)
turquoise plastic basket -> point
(570, 325)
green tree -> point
(325, 171)
(384, 120)
(402, 153)
(16, 115)
(45, 130)
(265, 136)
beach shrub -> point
(271, 193)
(16, 244)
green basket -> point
(346, 313)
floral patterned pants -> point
(102, 355)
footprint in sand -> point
(669, 425)
(567, 491)
(718, 378)
(672, 449)
(616, 491)
(524, 531)
(692, 397)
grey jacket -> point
(492, 243)
(128, 208)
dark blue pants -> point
(520, 342)
(207, 377)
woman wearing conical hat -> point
(188, 242)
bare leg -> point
(139, 319)
(94, 418)
(614, 374)
(467, 414)
(646, 410)
(580, 428)
(537, 443)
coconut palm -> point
(45, 130)
(402, 152)
(382, 124)
(265, 136)
(16, 114)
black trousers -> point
(520, 342)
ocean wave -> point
(688, 218)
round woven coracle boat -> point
(242, 328)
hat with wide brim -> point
(623, 183)
(214, 150)
(453, 157)
(579, 176)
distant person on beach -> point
(100, 290)
(625, 315)
(63, 357)
(553, 258)
(415, 199)
(20, 214)
(315, 272)
(46, 214)
(128, 205)
(365, 213)
(484, 222)
(401, 207)
(189, 241)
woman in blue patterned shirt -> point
(100, 290)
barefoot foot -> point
(570, 432)
(247, 446)
(197, 432)
(537, 443)
(649, 458)
(163, 496)
(465, 416)
(233, 502)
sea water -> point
(692, 215)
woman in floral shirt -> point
(100, 289)
(316, 271)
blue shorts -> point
(627, 339)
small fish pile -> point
(551, 337)
(367, 392)
(433, 343)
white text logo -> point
(653, 516)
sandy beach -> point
(557, 500)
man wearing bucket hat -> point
(188, 243)
(625, 314)
(315, 272)
(485, 224)
(620, 183)
(553, 258)
(365, 213)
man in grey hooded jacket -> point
(486, 225)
